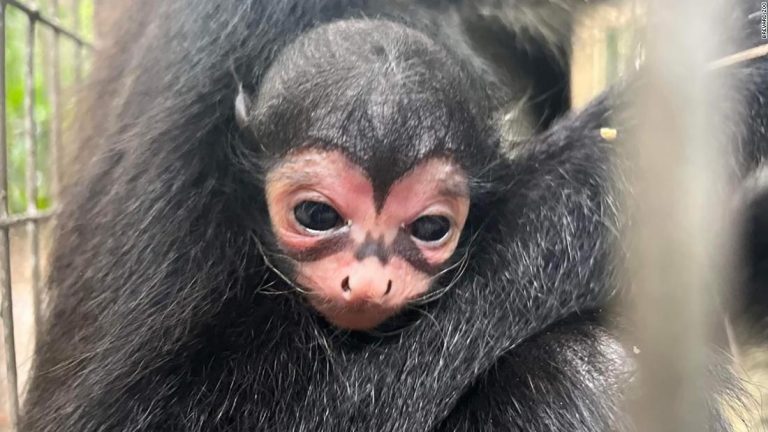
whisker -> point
(462, 264)
(272, 267)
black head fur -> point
(385, 95)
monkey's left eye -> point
(317, 216)
(430, 228)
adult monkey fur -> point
(169, 307)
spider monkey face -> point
(362, 257)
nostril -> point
(345, 285)
(389, 287)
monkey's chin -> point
(356, 318)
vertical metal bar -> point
(31, 141)
(56, 108)
(5, 263)
(678, 241)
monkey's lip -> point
(359, 316)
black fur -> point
(165, 312)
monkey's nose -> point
(345, 285)
(363, 289)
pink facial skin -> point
(352, 293)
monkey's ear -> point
(242, 107)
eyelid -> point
(313, 233)
(436, 209)
(303, 194)
(295, 197)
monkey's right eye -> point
(317, 216)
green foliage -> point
(16, 52)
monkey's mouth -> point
(359, 316)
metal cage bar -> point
(54, 93)
(33, 216)
(47, 21)
(33, 230)
(5, 262)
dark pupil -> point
(316, 216)
(430, 228)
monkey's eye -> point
(317, 216)
(430, 228)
